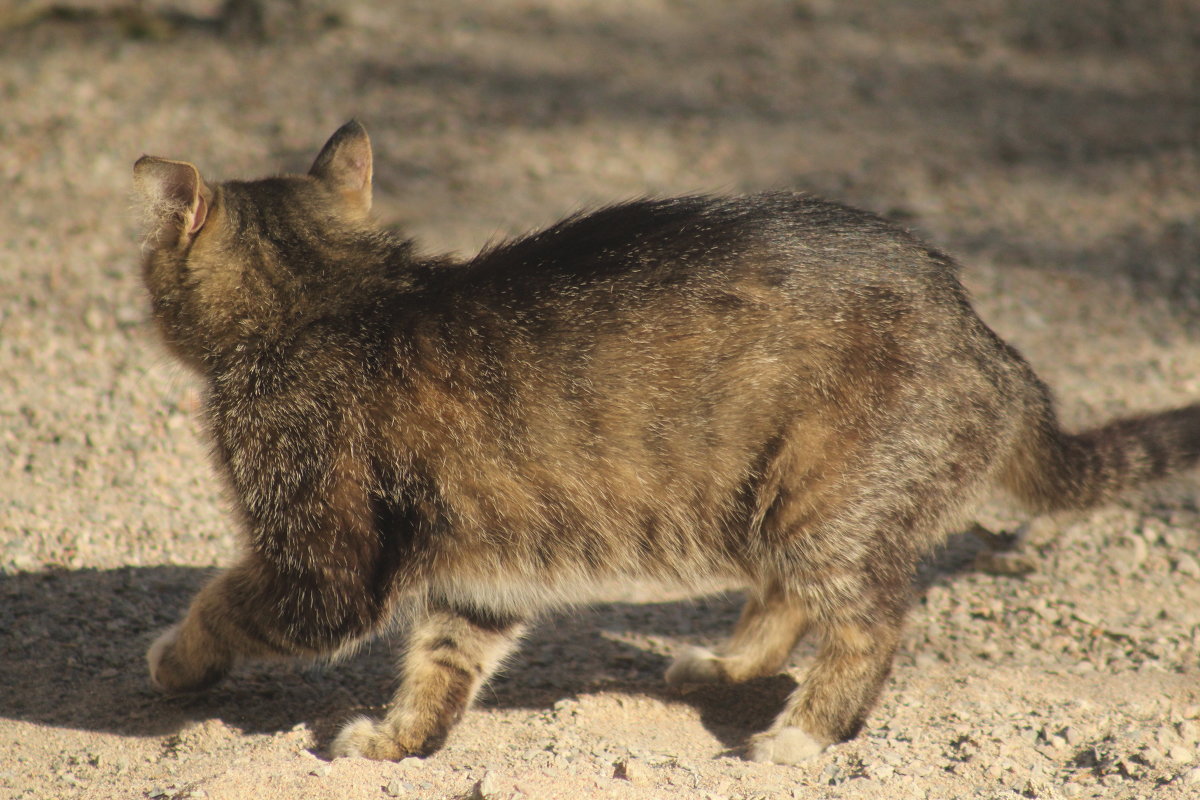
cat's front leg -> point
(198, 651)
(252, 610)
(179, 664)
(451, 652)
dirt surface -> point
(1052, 147)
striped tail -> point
(1052, 470)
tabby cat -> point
(773, 389)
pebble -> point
(1166, 737)
(397, 788)
(1074, 735)
(1191, 777)
(1188, 565)
(566, 706)
(485, 787)
(1182, 754)
(633, 771)
(1131, 555)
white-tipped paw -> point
(379, 741)
(173, 670)
(785, 746)
(154, 657)
(695, 665)
(353, 739)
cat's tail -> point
(1052, 470)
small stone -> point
(129, 315)
(1188, 566)
(566, 705)
(321, 771)
(1191, 777)
(1152, 755)
(410, 766)
(94, 318)
(1130, 555)
(995, 563)
(396, 788)
(633, 771)
(485, 787)
(1184, 755)
(1166, 737)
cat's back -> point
(789, 247)
(773, 300)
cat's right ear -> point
(174, 195)
(344, 164)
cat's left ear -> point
(175, 196)
(345, 164)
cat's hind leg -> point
(841, 686)
(770, 625)
(451, 652)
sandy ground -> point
(1052, 147)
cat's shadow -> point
(72, 647)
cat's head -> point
(229, 262)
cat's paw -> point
(171, 672)
(353, 740)
(789, 745)
(364, 738)
(160, 654)
(695, 665)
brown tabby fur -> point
(773, 389)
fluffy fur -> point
(773, 389)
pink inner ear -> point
(362, 168)
(199, 215)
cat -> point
(774, 389)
